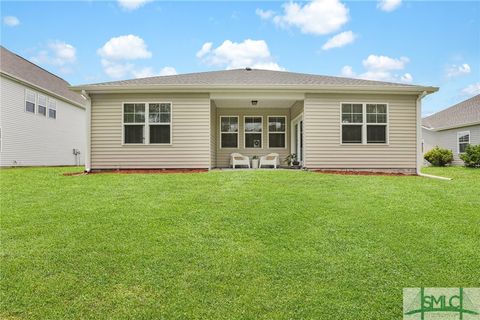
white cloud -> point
(130, 5)
(472, 89)
(374, 62)
(168, 71)
(118, 70)
(455, 71)
(117, 54)
(233, 55)
(11, 21)
(57, 53)
(128, 47)
(381, 68)
(339, 40)
(347, 71)
(143, 73)
(149, 72)
(407, 77)
(317, 17)
(207, 46)
(264, 14)
(388, 5)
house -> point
(42, 122)
(197, 120)
(453, 128)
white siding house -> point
(41, 120)
(453, 128)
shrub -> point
(439, 157)
(471, 157)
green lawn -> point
(232, 245)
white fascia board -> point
(455, 126)
(258, 88)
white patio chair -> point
(270, 159)
(236, 159)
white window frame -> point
(459, 134)
(34, 101)
(245, 133)
(147, 120)
(146, 124)
(45, 106)
(364, 125)
(276, 132)
(237, 133)
(50, 100)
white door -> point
(297, 137)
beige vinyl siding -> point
(35, 140)
(296, 109)
(213, 130)
(190, 140)
(223, 155)
(323, 148)
(448, 139)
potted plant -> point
(254, 162)
(291, 159)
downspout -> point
(88, 123)
(419, 140)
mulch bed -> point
(137, 171)
(364, 173)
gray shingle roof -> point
(461, 114)
(22, 69)
(245, 77)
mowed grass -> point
(232, 245)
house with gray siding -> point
(42, 122)
(453, 128)
(198, 120)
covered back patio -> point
(255, 126)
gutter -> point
(419, 131)
(88, 108)
(419, 140)
(468, 124)
(433, 177)
(249, 88)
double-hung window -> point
(352, 123)
(52, 109)
(159, 120)
(364, 123)
(30, 97)
(147, 123)
(228, 132)
(42, 105)
(376, 123)
(253, 132)
(134, 123)
(463, 138)
(277, 132)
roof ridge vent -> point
(248, 69)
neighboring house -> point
(41, 120)
(453, 128)
(197, 120)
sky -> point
(419, 42)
